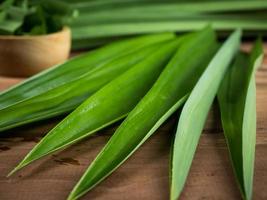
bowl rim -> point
(65, 29)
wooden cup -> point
(22, 56)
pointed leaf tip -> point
(127, 139)
(17, 168)
(195, 111)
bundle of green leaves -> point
(32, 17)
(153, 76)
(102, 21)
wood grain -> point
(145, 175)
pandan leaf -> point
(123, 15)
(98, 31)
(6, 5)
(11, 17)
(109, 104)
(100, 21)
(35, 23)
(189, 6)
(63, 88)
(8, 27)
(173, 85)
(195, 111)
(66, 97)
(237, 100)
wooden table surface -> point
(145, 175)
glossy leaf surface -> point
(174, 83)
(109, 104)
(63, 88)
(195, 111)
(237, 100)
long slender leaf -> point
(131, 28)
(237, 100)
(203, 6)
(81, 188)
(99, 21)
(108, 105)
(139, 16)
(77, 66)
(174, 83)
(195, 111)
(83, 44)
(33, 100)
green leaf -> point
(35, 17)
(131, 16)
(35, 23)
(237, 100)
(169, 6)
(150, 13)
(109, 104)
(101, 20)
(17, 12)
(12, 15)
(84, 44)
(57, 14)
(6, 5)
(130, 28)
(76, 67)
(173, 85)
(8, 27)
(195, 111)
(62, 88)
(57, 7)
(81, 188)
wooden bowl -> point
(22, 56)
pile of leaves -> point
(102, 21)
(143, 81)
(34, 17)
(97, 22)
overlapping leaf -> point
(11, 18)
(109, 104)
(103, 21)
(131, 28)
(31, 17)
(171, 6)
(63, 88)
(237, 100)
(76, 67)
(173, 85)
(195, 111)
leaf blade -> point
(99, 31)
(61, 90)
(80, 63)
(138, 126)
(195, 111)
(104, 107)
(237, 97)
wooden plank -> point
(144, 175)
